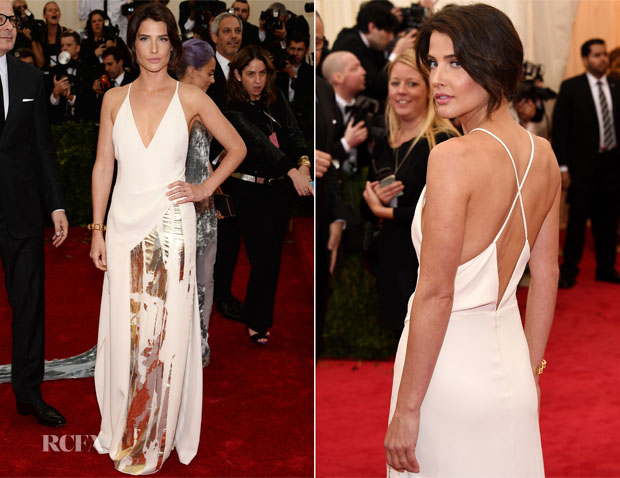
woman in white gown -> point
(148, 375)
(464, 399)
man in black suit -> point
(586, 129)
(250, 32)
(369, 41)
(344, 72)
(117, 74)
(28, 175)
(72, 97)
(330, 208)
(226, 32)
(297, 78)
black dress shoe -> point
(231, 309)
(44, 413)
(566, 282)
(611, 276)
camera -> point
(36, 27)
(110, 32)
(271, 17)
(413, 17)
(105, 82)
(532, 74)
(365, 109)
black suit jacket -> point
(303, 84)
(28, 169)
(85, 107)
(217, 90)
(250, 35)
(575, 133)
(373, 61)
(329, 203)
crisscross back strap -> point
(519, 183)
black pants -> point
(228, 244)
(597, 198)
(24, 272)
(262, 214)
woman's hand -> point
(388, 192)
(301, 181)
(97, 251)
(181, 192)
(100, 49)
(400, 441)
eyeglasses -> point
(4, 18)
(322, 42)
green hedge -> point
(76, 146)
(352, 328)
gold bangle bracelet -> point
(541, 367)
(96, 227)
(304, 161)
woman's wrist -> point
(207, 189)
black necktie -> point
(2, 119)
(608, 136)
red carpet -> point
(580, 405)
(258, 402)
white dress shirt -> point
(223, 63)
(4, 75)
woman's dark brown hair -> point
(485, 43)
(158, 13)
(235, 91)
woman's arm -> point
(201, 105)
(544, 282)
(103, 171)
(443, 228)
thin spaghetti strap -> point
(527, 170)
(518, 195)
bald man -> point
(344, 72)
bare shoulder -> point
(112, 101)
(451, 158)
(193, 98)
(544, 153)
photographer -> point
(115, 74)
(100, 35)
(112, 9)
(193, 13)
(345, 73)
(28, 28)
(529, 103)
(49, 36)
(71, 97)
(370, 41)
(276, 28)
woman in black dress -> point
(396, 179)
(50, 35)
(277, 157)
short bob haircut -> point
(158, 13)
(196, 53)
(235, 91)
(485, 43)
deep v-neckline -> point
(133, 119)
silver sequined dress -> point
(196, 172)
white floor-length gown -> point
(479, 417)
(148, 375)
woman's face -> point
(204, 76)
(96, 24)
(52, 13)
(253, 77)
(407, 92)
(152, 45)
(456, 94)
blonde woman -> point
(397, 178)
